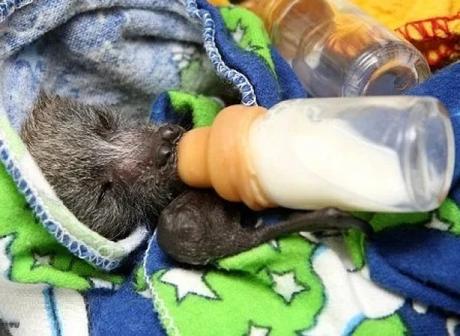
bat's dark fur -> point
(112, 173)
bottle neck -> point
(288, 22)
(270, 11)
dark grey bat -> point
(112, 173)
(115, 174)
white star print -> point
(419, 307)
(286, 285)
(451, 325)
(436, 224)
(187, 282)
(146, 293)
(99, 283)
(5, 262)
(41, 260)
(258, 331)
(275, 244)
(309, 236)
(238, 34)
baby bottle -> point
(337, 50)
(392, 154)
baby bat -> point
(112, 173)
(115, 174)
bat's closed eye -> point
(105, 187)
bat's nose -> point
(171, 133)
(164, 152)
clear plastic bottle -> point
(392, 154)
(337, 50)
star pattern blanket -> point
(59, 278)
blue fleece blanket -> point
(59, 278)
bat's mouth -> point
(166, 159)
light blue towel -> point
(120, 52)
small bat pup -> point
(115, 174)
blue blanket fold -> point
(121, 53)
(422, 263)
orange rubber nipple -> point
(218, 157)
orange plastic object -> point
(284, 29)
(219, 2)
(217, 157)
